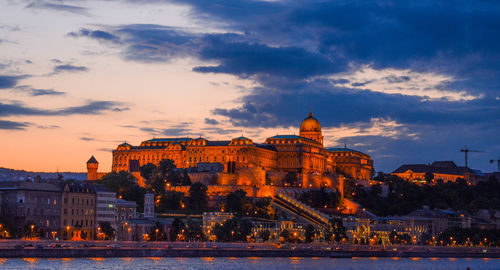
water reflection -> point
(251, 263)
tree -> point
(338, 229)
(310, 233)
(198, 196)
(194, 231)
(177, 227)
(235, 229)
(107, 229)
(235, 202)
(30, 230)
(291, 179)
(186, 180)
(124, 184)
(148, 170)
(264, 235)
(171, 200)
(286, 235)
(394, 237)
(429, 176)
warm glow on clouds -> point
(427, 85)
(79, 77)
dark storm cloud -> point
(57, 7)
(335, 106)
(12, 125)
(286, 46)
(93, 107)
(245, 59)
(96, 34)
(69, 68)
(9, 81)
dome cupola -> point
(310, 124)
(311, 128)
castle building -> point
(447, 171)
(303, 154)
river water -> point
(251, 263)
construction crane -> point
(466, 150)
(498, 163)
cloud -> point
(92, 107)
(34, 92)
(69, 68)
(57, 7)
(45, 92)
(211, 121)
(430, 67)
(95, 34)
(9, 81)
(87, 139)
(48, 127)
(210, 131)
(12, 125)
(401, 81)
(105, 149)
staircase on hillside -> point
(308, 213)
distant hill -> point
(22, 175)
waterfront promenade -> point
(71, 249)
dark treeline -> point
(404, 197)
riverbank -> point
(211, 252)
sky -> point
(403, 81)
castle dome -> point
(310, 124)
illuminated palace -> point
(256, 163)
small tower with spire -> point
(92, 166)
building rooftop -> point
(92, 160)
(169, 139)
(342, 149)
(22, 185)
(124, 203)
(441, 167)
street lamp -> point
(67, 232)
(32, 227)
(156, 231)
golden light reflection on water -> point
(2, 260)
(452, 259)
(434, 258)
(295, 260)
(181, 259)
(415, 258)
(374, 258)
(127, 259)
(253, 259)
(97, 259)
(30, 260)
(66, 259)
(232, 258)
(155, 259)
(208, 259)
(315, 258)
(395, 258)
